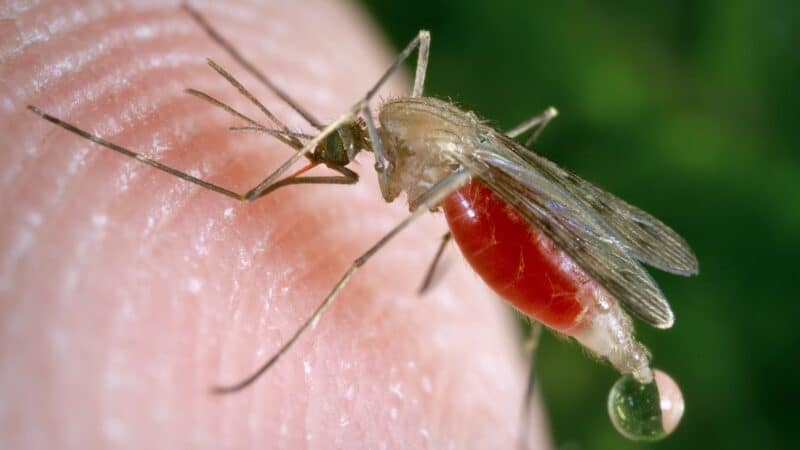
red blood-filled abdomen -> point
(514, 259)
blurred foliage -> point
(688, 109)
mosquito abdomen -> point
(514, 259)
(525, 268)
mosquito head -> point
(340, 148)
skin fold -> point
(126, 293)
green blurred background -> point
(690, 110)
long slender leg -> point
(533, 345)
(349, 177)
(422, 63)
(424, 36)
(247, 65)
(539, 122)
(426, 283)
(442, 189)
(131, 154)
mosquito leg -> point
(443, 188)
(248, 66)
(422, 39)
(533, 345)
(422, 63)
(426, 283)
(348, 177)
(347, 173)
(131, 154)
(539, 122)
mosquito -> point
(563, 252)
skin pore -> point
(126, 293)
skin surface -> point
(125, 293)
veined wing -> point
(646, 238)
(571, 225)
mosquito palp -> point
(271, 131)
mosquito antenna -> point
(248, 66)
(243, 90)
(219, 103)
(280, 135)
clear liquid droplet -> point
(645, 412)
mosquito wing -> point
(537, 192)
(647, 239)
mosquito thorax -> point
(419, 135)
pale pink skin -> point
(125, 293)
